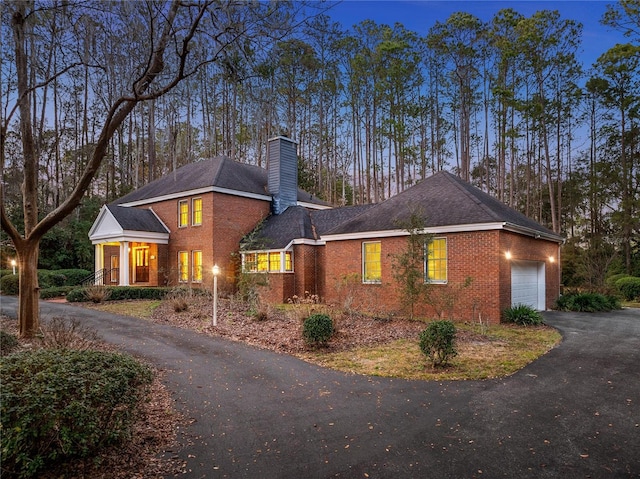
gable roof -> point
(444, 200)
(118, 223)
(216, 174)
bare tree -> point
(156, 38)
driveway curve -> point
(574, 413)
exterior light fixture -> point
(507, 255)
(13, 265)
(552, 259)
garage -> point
(527, 284)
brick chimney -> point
(283, 173)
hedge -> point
(118, 293)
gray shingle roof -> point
(221, 172)
(445, 200)
(297, 222)
(136, 219)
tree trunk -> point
(28, 310)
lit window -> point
(196, 208)
(274, 262)
(249, 262)
(371, 265)
(263, 262)
(196, 274)
(183, 266)
(183, 213)
(437, 261)
(288, 264)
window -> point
(183, 213)
(249, 262)
(196, 273)
(183, 266)
(274, 262)
(436, 267)
(288, 263)
(263, 262)
(196, 211)
(271, 262)
(371, 264)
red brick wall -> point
(530, 249)
(225, 220)
(476, 255)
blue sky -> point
(420, 15)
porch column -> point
(99, 259)
(124, 263)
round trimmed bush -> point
(9, 284)
(437, 342)
(59, 404)
(523, 315)
(317, 329)
(629, 287)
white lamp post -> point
(216, 272)
(13, 265)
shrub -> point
(97, 294)
(317, 329)
(8, 342)
(73, 277)
(59, 403)
(76, 295)
(55, 292)
(437, 342)
(611, 280)
(9, 284)
(179, 299)
(523, 315)
(587, 302)
(629, 287)
(69, 334)
(119, 293)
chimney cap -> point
(281, 137)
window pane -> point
(183, 213)
(197, 266)
(263, 262)
(288, 264)
(249, 261)
(372, 268)
(274, 262)
(197, 211)
(437, 260)
(183, 266)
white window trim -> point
(180, 280)
(283, 261)
(364, 256)
(180, 225)
(193, 210)
(426, 262)
(193, 266)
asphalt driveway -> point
(574, 413)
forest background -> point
(506, 104)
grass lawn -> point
(500, 351)
(138, 308)
(490, 352)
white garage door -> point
(527, 284)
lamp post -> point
(13, 265)
(216, 272)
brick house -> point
(483, 256)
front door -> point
(141, 264)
